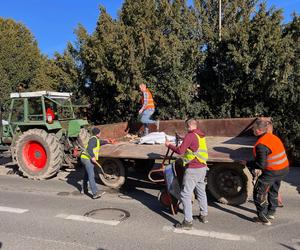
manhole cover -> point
(108, 214)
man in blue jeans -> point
(148, 108)
(88, 158)
(194, 156)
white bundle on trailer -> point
(156, 138)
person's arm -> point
(183, 146)
(260, 161)
(104, 142)
(145, 102)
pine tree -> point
(19, 57)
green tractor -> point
(42, 132)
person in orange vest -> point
(269, 157)
(270, 130)
(147, 109)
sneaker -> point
(185, 225)
(98, 195)
(157, 125)
(271, 215)
(203, 219)
(263, 221)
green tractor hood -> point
(74, 127)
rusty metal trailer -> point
(228, 141)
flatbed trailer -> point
(228, 141)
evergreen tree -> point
(288, 120)
(166, 39)
(19, 57)
(110, 69)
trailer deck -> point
(223, 149)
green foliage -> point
(252, 70)
(19, 56)
(155, 42)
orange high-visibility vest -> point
(150, 102)
(277, 160)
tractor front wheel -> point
(39, 154)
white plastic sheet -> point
(156, 138)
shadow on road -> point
(133, 188)
(293, 178)
(287, 247)
(228, 210)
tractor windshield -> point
(62, 107)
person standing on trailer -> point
(148, 108)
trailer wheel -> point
(230, 183)
(114, 170)
(38, 154)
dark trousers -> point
(266, 189)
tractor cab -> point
(43, 132)
(39, 106)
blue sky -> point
(52, 22)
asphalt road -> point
(50, 215)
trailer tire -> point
(115, 171)
(230, 183)
(39, 154)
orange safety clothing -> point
(148, 100)
(277, 160)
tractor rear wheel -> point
(39, 154)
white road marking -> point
(211, 234)
(13, 210)
(71, 245)
(87, 219)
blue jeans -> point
(89, 175)
(146, 118)
(193, 179)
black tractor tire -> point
(114, 170)
(83, 137)
(230, 183)
(39, 154)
